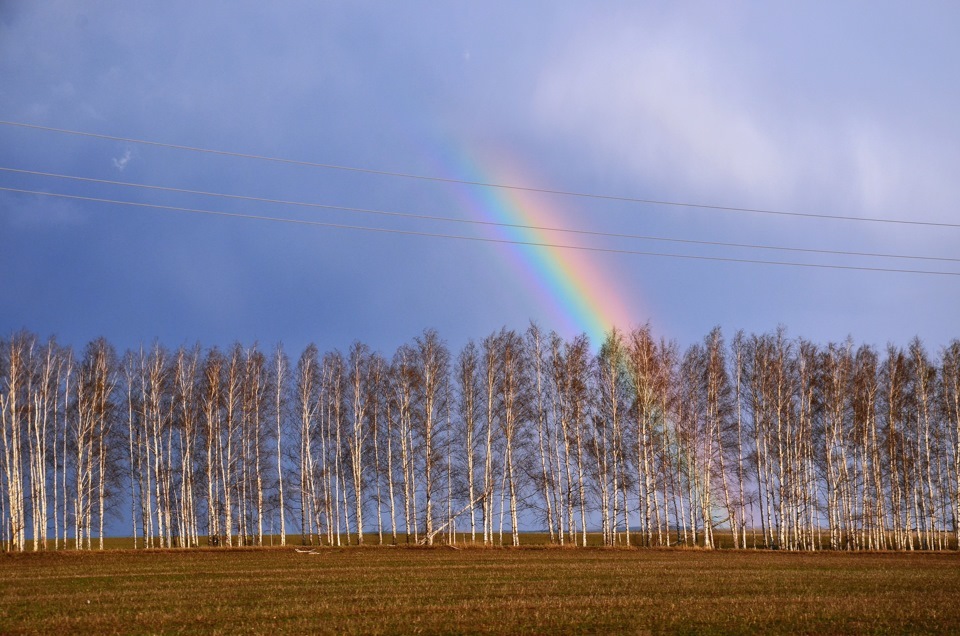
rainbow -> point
(571, 284)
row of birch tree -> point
(762, 441)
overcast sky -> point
(846, 109)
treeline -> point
(782, 443)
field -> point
(474, 590)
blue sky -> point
(827, 108)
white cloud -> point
(121, 163)
(716, 122)
(656, 105)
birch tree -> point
(432, 362)
(279, 382)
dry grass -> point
(406, 590)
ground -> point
(475, 590)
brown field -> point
(475, 590)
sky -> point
(821, 108)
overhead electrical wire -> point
(476, 238)
(409, 215)
(484, 184)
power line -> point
(427, 217)
(483, 184)
(477, 238)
